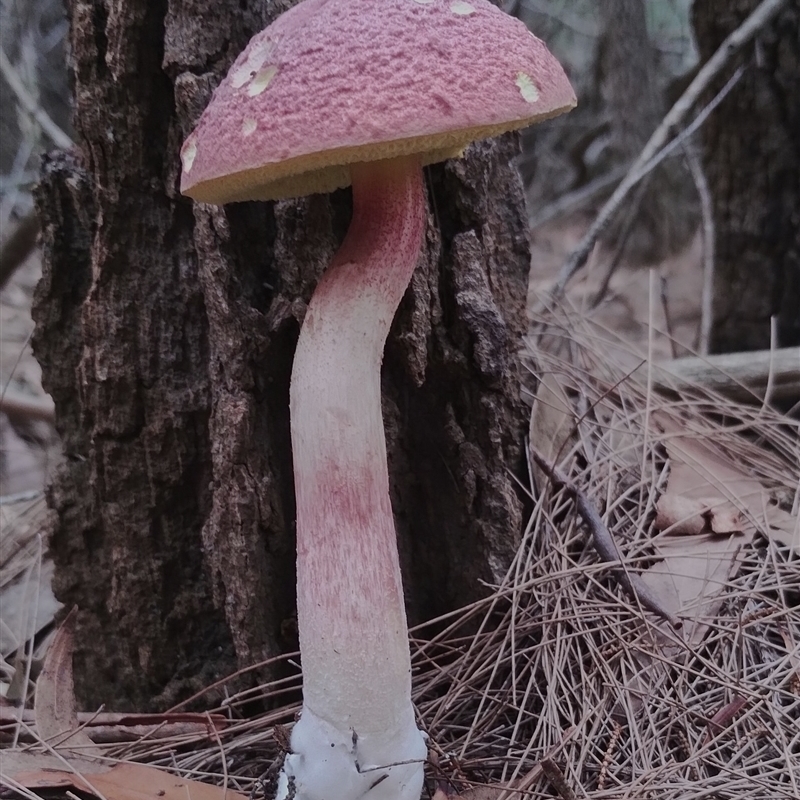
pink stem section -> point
(351, 615)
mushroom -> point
(361, 93)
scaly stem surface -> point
(351, 614)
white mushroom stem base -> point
(356, 737)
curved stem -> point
(351, 615)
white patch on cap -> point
(527, 88)
(188, 154)
(249, 127)
(461, 8)
(424, 2)
(261, 80)
(260, 52)
(241, 75)
(256, 58)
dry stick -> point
(724, 717)
(577, 197)
(610, 210)
(524, 783)
(604, 543)
(732, 44)
(26, 406)
(707, 216)
(20, 497)
(26, 100)
(625, 232)
(556, 777)
(744, 377)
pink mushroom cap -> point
(332, 82)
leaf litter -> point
(560, 666)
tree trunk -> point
(627, 66)
(752, 160)
(660, 218)
(166, 332)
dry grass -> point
(560, 661)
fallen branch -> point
(622, 240)
(573, 200)
(603, 542)
(26, 100)
(659, 139)
(21, 406)
(557, 780)
(738, 376)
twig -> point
(20, 497)
(625, 232)
(732, 44)
(707, 216)
(56, 135)
(577, 197)
(741, 376)
(556, 777)
(612, 205)
(15, 181)
(525, 782)
(18, 246)
(108, 727)
(26, 407)
(604, 543)
(224, 760)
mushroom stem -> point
(357, 711)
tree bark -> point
(166, 332)
(659, 220)
(752, 160)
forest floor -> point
(652, 696)
(29, 451)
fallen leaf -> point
(54, 703)
(105, 727)
(124, 781)
(704, 491)
(695, 568)
(700, 471)
(690, 516)
(55, 715)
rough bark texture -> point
(752, 160)
(166, 333)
